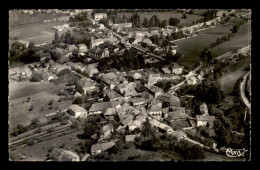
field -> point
(164, 16)
(40, 94)
(38, 151)
(191, 48)
(241, 39)
(37, 33)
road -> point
(192, 73)
(242, 91)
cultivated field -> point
(191, 48)
(241, 39)
(164, 16)
(40, 94)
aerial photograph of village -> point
(119, 85)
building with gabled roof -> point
(177, 69)
(63, 155)
(86, 86)
(166, 70)
(77, 111)
(205, 120)
(100, 147)
(155, 111)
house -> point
(110, 79)
(178, 113)
(86, 86)
(156, 102)
(147, 95)
(147, 41)
(153, 78)
(174, 101)
(107, 130)
(137, 76)
(154, 122)
(98, 108)
(165, 128)
(155, 111)
(138, 101)
(201, 76)
(192, 81)
(98, 53)
(165, 112)
(128, 89)
(205, 120)
(177, 69)
(110, 112)
(99, 16)
(63, 155)
(127, 120)
(77, 111)
(111, 95)
(204, 109)
(139, 35)
(131, 138)
(179, 134)
(136, 124)
(154, 90)
(100, 147)
(166, 70)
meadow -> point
(40, 94)
(191, 48)
(241, 39)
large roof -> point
(86, 82)
(100, 106)
(102, 146)
(77, 108)
(64, 155)
(205, 118)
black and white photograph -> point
(129, 85)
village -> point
(113, 87)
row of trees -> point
(66, 38)
(154, 21)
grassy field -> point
(40, 94)
(191, 48)
(241, 39)
(38, 151)
(165, 15)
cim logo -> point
(236, 152)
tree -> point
(235, 29)
(31, 45)
(56, 37)
(174, 21)
(145, 22)
(36, 77)
(184, 16)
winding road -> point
(242, 91)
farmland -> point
(192, 47)
(241, 39)
(165, 16)
(36, 32)
(40, 94)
